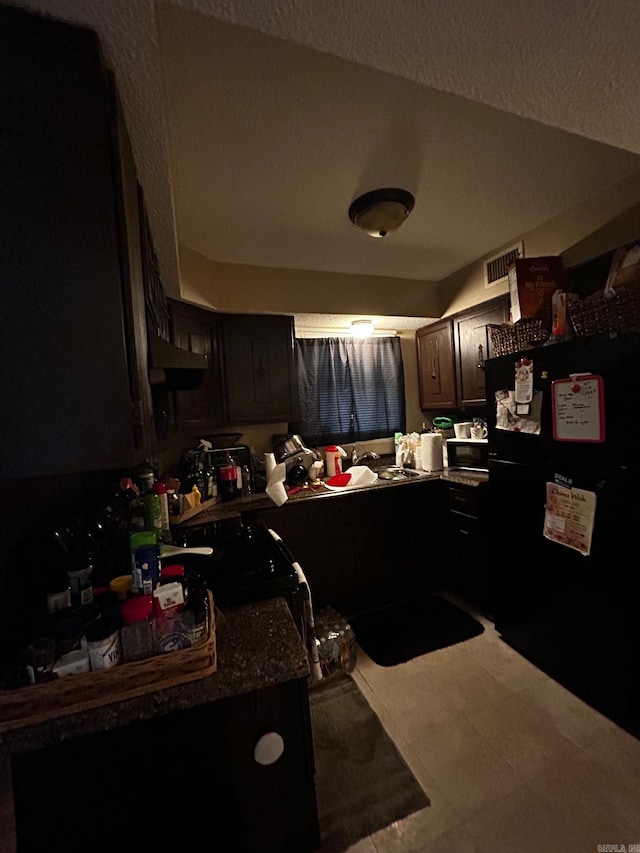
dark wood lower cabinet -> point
(470, 571)
(365, 549)
(185, 781)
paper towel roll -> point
(269, 463)
(431, 445)
(275, 484)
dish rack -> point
(38, 703)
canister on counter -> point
(145, 562)
(174, 573)
(103, 643)
(80, 585)
(136, 633)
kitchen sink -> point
(397, 473)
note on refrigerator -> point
(569, 516)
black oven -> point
(248, 563)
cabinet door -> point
(258, 368)
(473, 348)
(436, 375)
(64, 381)
(195, 329)
(128, 198)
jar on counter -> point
(172, 574)
(136, 633)
(80, 585)
(103, 643)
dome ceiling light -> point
(362, 328)
(380, 211)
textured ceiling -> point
(254, 124)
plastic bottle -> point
(210, 482)
(153, 515)
(228, 480)
(246, 482)
(174, 502)
(161, 491)
(145, 562)
(201, 481)
(208, 471)
(397, 437)
(197, 608)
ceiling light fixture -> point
(380, 211)
(362, 328)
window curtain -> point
(349, 390)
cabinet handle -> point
(480, 364)
(434, 374)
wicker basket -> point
(509, 338)
(73, 693)
(617, 313)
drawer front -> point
(464, 500)
(465, 525)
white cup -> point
(463, 429)
(478, 431)
(314, 470)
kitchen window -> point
(349, 390)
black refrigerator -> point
(574, 615)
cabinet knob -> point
(268, 749)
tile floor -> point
(511, 761)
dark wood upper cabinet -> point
(197, 330)
(259, 376)
(473, 347)
(451, 356)
(251, 375)
(436, 375)
(67, 272)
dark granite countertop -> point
(261, 501)
(257, 646)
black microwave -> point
(469, 453)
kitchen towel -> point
(431, 446)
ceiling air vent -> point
(497, 267)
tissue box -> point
(532, 283)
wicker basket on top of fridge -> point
(616, 307)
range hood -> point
(178, 368)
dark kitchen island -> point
(178, 764)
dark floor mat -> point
(395, 634)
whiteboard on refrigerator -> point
(578, 408)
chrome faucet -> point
(368, 454)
